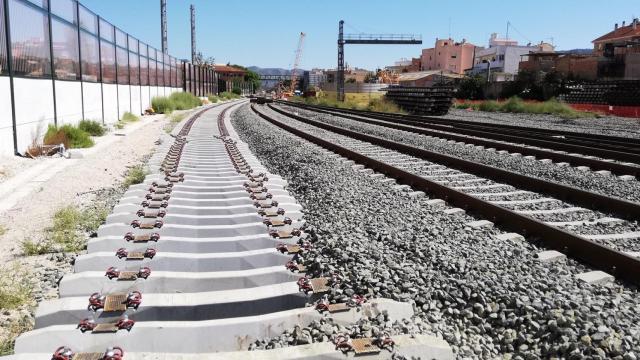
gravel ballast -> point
(602, 125)
(487, 297)
(591, 181)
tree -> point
(471, 88)
(200, 59)
(250, 76)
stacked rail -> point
(421, 100)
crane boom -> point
(296, 63)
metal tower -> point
(296, 63)
(163, 21)
(193, 34)
(370, 39)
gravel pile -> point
(486, 297)
(605, 184)
(606, 125)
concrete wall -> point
(34, 102)
(6, 124)
(92, 98)
(34, 109)
(110, 99)
(68, 108)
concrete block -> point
(633, 253)
(387, 180)
(583, 168)
(626, 177)
(603, 172)
(454, 211)
(546, 161)
(357, 167)
(503, 152)
(563, 164)
(491, 149)
(479, 224)
(550, 255)
(376, 176)
(595, 277)
(366, 171)
(516, 154)
(530, 157)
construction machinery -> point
(294, 72)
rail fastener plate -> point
(339, 307)
(142, 238)
(293, 249)
(319, 285)
(88, 356)
(364, 346)
(148, 225)
(105, 328)
(151, 213)
(154, 204)
(271, 212)
(128, 276)
(115, 302)
(135, 255)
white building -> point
(502, 57)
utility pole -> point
(193, 34)
(163, 22)
(340, 72)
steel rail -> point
(495, 133)
(600, 256)
(616, 206)
(617, 263)
(420, 118)
(594, 164)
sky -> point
(265, 33)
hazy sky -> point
(265, 33)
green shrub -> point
(491, 106)
(227, 95)
(514, 105)
(162, 105)
(128, 117)
(69, 135)
(31, 248)
(91, 127)
(135, 175)
(184, 101)
(214, 99)
(237, 91)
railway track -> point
(563, 218)
(618, 155)
(199, 261)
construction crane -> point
(296, 63)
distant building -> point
(428, 78)
(350, 75)
(405, 66)
(448, 55)
(566, 64)
(229, 73)
(619, 52)
(502, 57)
(314, 78)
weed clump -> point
(214, 99)
(135, 175)
(91, 127)
(69, 135)
(518, 106)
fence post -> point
(10, 68)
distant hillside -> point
(579, 51)
(272, 71)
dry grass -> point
(357, 101)
(12, 331)
(135, 175)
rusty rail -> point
(615, 262)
